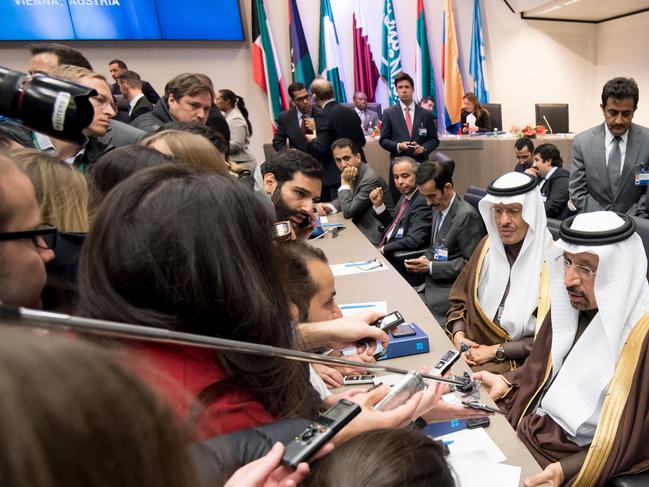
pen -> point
(354, 264)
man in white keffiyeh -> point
(578, 403)
(496, 300)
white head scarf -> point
(576, 396)
(517, 319)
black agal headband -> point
(602, 237)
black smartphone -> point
(480, 406)
(388, 322)
(403, 330)
(305, 223)
(482, 422)
(318, 433)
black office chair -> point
(476, 191)
(553, 226)
(495, 114)
(554, 116)
(642, 229)
(637, 480)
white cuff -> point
(430, 267)
(379, 209)
(345, 186)
(331, 207)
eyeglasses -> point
(44, 237)
(582, 270)
(498, 212)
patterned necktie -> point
(614, 165)
(408, 121)
(388, 233)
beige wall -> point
(528, 61)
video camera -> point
(53, 106)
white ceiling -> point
(581, 10)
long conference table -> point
(479, 159)
(387, 285)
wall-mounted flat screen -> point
(52, 20)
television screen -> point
(39, 20)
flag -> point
(265, 68)
(424, 77)
(301, 65)
(366, 74)
(330, 63)
(476, 63)
(453, 89)
(390, 53)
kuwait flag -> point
(265, 68)
(330, 65)
(424, 77)
(366, 74)
(453, 89)
(301, 65)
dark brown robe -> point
(465, 314)
(628, 451)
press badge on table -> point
(642, 175)
(440, 252)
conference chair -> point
(473, 196)
(495, 114)
(554, 116)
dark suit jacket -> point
(483, 122)
(589, 186)
(334, 122)
(288, 128)
(142, 106)
(556, 195)
(461, 231)
(356, 204)
(415, 221)
(149, 92)
(395, 131)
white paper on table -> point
(351, 308)
(467, 441)
(475, 469)
(358, 267)
(389, 379)
(323, 219)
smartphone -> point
(482, 422)
(351, 380)
(388, 322)
(445, 363)
(404, 330)
(305, 223)
(318, 433)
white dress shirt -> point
(609, 144)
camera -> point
(318, 433)
(55, 107)
(411, 383)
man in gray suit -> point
(357, 180)
(369, 118)
(457, 229)
(606, 158)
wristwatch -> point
(500, 353)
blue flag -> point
(476, 63)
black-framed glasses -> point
(43, 237)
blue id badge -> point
(399, 234)
(440, 252)
(642, 175)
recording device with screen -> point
(446, 362)
(53, 106)
(352, 380)
(388, 322)
(318, 433)
(282, 231)
(401, 392)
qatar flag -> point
(366, 74)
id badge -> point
(399, 234)
(423, 131)
(440, 253)
(642, 175)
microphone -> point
(63, 322)
(548, 124)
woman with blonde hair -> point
(190, 149)
(61, 190)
